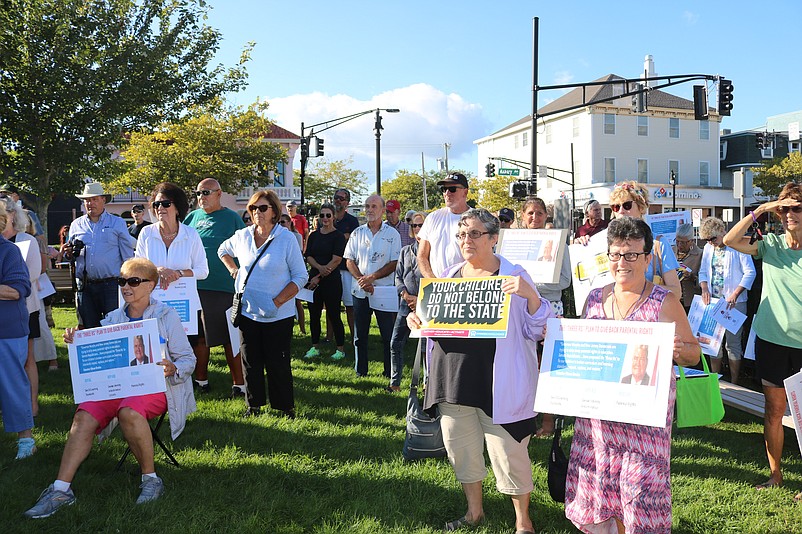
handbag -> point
(236, 307)
(698, 398)
(558, 465)
(424, 438)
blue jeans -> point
(362, 313)
(397, 344)
(95, 301)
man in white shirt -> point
(371, 255)
(438, 248)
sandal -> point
(767, 485)
(462, 522)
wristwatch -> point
(180, 272)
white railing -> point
(284, 193)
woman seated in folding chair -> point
(138, 278)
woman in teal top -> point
(778, 342)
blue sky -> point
(460, 70)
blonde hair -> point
(142, 267)
(271, 197)
(420, 214)
(631, 190)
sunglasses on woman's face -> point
(626, 205)
(134, 281)
(263, 208)
(162, 203)
(326, 215)
(785, 209)
(413, 225)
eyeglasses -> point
(134, 281)
(263, 208)
(629, 256)
(473, 234)
(137, 210)
(246, 219)
(711, 239)
(326, 215)
(282, 221)
(785, 209)
(339, 197)
(413, 225)
(206, 192)
(504, 219)
(162, 203)
(626, 205)
(449, 188)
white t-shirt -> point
(439, 230)
(372, 252)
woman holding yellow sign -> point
(484, 388)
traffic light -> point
(304, 148)
(487, 170)
(639, 99)
(319, 145)
(518, 190)
(760, 140)
(700, 112)
(725, 89)
(491, 169)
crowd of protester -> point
(343, 263)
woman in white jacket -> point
(138, 278)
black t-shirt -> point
(321, 247)
(346, 225)
(134, 229)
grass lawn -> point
(338, 467)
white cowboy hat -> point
(94, 189)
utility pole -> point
(423, 174)
(533, 156)
(446, 146)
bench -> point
(749, 401)
(60, 278)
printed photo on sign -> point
(182, 296)
(540, 252)
(116, 361)
(590, 267)
(463, 307)
(665, 224)
(611, 370)
(704, 325)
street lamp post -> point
(672, 179)
(378, 127)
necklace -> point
(631, 308)
(167, 237)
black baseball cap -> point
(138, 207)
(455, 178)
(506, 213)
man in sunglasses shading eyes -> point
(214, 224)
(438, 249)
(138, 213)
(393, 210)
(106, 245)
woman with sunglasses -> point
(619, 474)
(407, 281)
(138, 278)
(175, 248)
(778, 342)
(631, 199)
(268, 301)
(324, 252)
(728, 274)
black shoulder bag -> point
(424, 437)
(236, 309)
(558, 465)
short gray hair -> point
(712, 227)
(488, 220)
(16, 214)
(685, 231)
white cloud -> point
(563, 76)
(428, 118)
(690, 17)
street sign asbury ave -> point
(509, 172)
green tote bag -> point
(698, 398)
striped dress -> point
(619, 470)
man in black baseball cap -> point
(138, 213)
(505, 217)
(438, 249)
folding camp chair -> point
(154, 431)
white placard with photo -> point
(116, 361)
(182, 296)
(729, 318)
(665, 224)
(540, 252)
(590, 267)
(704, 326)
(611, 370)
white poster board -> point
(704, 325)
(182, 296)
(233, 333)
(46, 287)
(384, 298)
(540, 252)
(665, 224)
(793, 390)
(611, 370)
(103, 361)
(590, 267)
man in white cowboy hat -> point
(100, 243)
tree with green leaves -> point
(773, 177)
(495, 193)
(324, 177)
(75, 76)
(225, 144)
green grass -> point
(338, 468)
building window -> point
(795, 147)
(525, 138)
(577, 174)
(704, 130)
(673, 128)
(643, 171)
(722, 150)
(609, 170)
(280, 175)
(515, 141)
(643, 126)
(576, 126)
(704, 173)
(609, 123)
(673, 166)
(548, 134)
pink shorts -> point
(148, 406)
